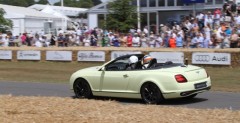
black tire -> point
(191, 96)
(82, 89)
(151, 94)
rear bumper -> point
(185, 93)
(188, 93)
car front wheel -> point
(82, 89)
(151, 94)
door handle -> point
(125, 75)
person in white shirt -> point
(152, 41)
(159, 41)
(145, 30)
(5, 40)
(86, 40)
(238, 20)
(144, 41)
(136, 40)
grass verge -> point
(223, 78)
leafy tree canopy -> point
(122, 16)
(4, 23)
(79, 3)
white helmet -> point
(133, 59)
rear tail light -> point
(180, 78)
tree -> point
(23, 3)
(76, 3)
(44, 2)
(86, 3)
(4, 23)
(122, 16)
(96, 2)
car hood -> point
(95, 68)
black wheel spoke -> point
(82, 89)
(151, 93)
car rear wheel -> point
(82, 89)
(151, 94)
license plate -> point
(200, 85)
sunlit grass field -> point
(223, 78)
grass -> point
(223, 78)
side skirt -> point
(117, 94)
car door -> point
(115, 77)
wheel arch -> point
(79, 78)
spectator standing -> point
(123, 40)
(24, 38)
(115, 41)
(135, 40)
(159, 41)
(206, 41)
(60, 40)
(165, 40)
(86, 40)
(179, 41)
(104, 40)
(93, 40)
(144, 40)
(152, 41)
(207, 30)
(234, 40)
(172, 42)
(129, 40)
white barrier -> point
(162, 57)
(115, 54)
(6, 54)
(91, 56)
(28, 55)
(59, 55)
(211, 58)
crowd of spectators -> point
(209, 29)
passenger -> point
(132, 62)
(145, 61)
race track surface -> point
(207, 100)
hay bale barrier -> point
(68, 110)
(235, 53)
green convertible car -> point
(152, 84)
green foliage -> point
(24, 3)
(86, 3)
(44, 2)
(4, 23)
(76, 3)
(96, 2)
(122, 16)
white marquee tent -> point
(31, 20)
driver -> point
(145, 61)
(132, 62)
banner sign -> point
(115, 54)
(91, 56)
(29, 55)
(5, 54)
(59, 55)
(193, 1)
(211, 58)
(162, 57)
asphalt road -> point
(207, 100)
